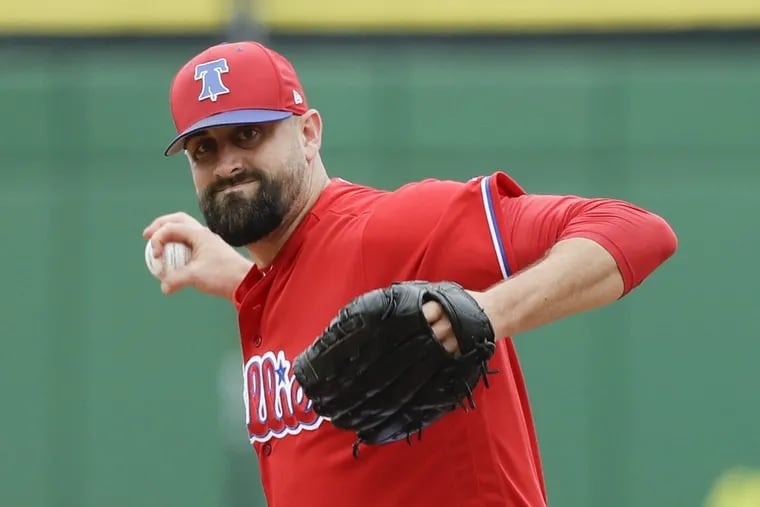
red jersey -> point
(356, 239)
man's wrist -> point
(237, 274)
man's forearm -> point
(575, 276)
(233, 274)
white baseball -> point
(175, 255)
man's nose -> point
(230, 162)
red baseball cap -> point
(233, 84)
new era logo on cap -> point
(233, 84)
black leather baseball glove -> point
(379, 370)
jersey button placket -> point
(266, 449)
(256, 321)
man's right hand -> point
(214, 268)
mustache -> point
(236, 179)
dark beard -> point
(240, 219)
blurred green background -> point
(116, 395)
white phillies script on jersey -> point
(275, 405)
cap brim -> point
(239, 117)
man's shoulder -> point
(361, 196)
(422, 200)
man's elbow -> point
(653, 243)
(662, 239)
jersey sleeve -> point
(637, 239)
(489, 228)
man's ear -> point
(311, 133)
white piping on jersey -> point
(493, 226)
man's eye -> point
(246, 134)
(203, 148)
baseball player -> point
(516, 261)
